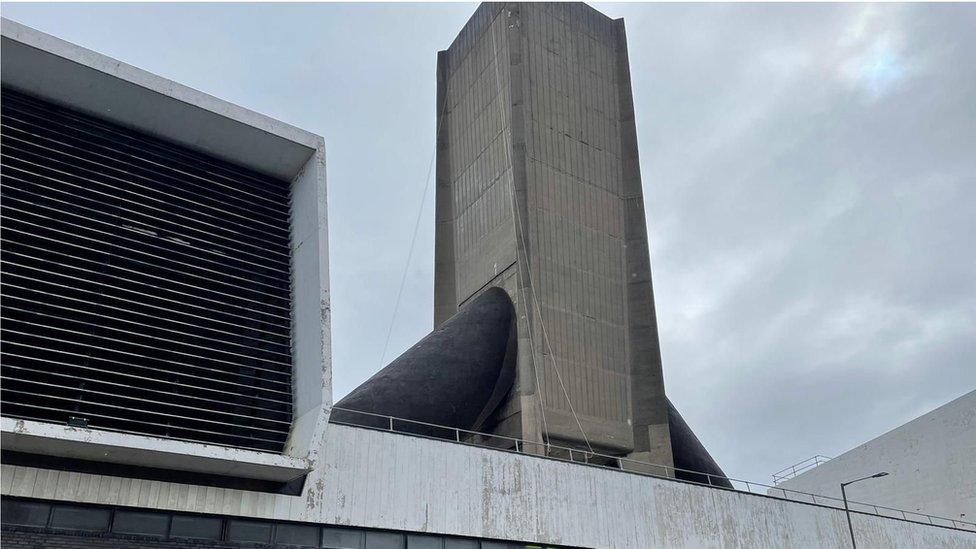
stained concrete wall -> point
(539, 191)
(931, 462)
(476, 238)
(383, 480)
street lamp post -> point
(847, 511)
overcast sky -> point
(809, 173)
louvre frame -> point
(110, 239)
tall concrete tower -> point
(539, 193)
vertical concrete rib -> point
(445, 283)
(648, 401)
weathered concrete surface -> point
(539, 191)
(382, 480)
(36, 437)
(931, 462)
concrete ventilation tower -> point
(540, 217)
(539, 192)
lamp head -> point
(879, 475)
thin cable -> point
(528, 270)
(413, 239)
(516, 221)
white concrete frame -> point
(47, 67)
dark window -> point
(189, 526)
(91, 519)
(460, 544)
(297, 534)
(26, 513)
(342, 538)
(138, 522)
(384, 540)
(424, 542)
(250, 531)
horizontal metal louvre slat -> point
(89, 306)
(18, 300)
(16, 316)
(30, 267)
(34, 159)
(161, 407)
(107, 423)
(32, 171)
(22, 203)
(45, 413)
(169, 419)
(148, 147)
(33, 148)
(171, 390)
(138, 417)
(66, 285)
(273, 315)
(134, 360)
(146, 287)
(240, 180)
(131, 246)
(126, 217)
(102, 156)
(137, 214)
(64, 238)
(248, 390)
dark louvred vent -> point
(146, 287)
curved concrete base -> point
(456, 376)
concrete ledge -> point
(127, 449)
(50, 68)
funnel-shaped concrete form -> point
(456, 376)
(690, 454)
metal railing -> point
(594, 459)
(797, 468)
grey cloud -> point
(810, 220)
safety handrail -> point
(587, 457)
(789, 472)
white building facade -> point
(930, 461)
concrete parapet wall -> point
(376, 479)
